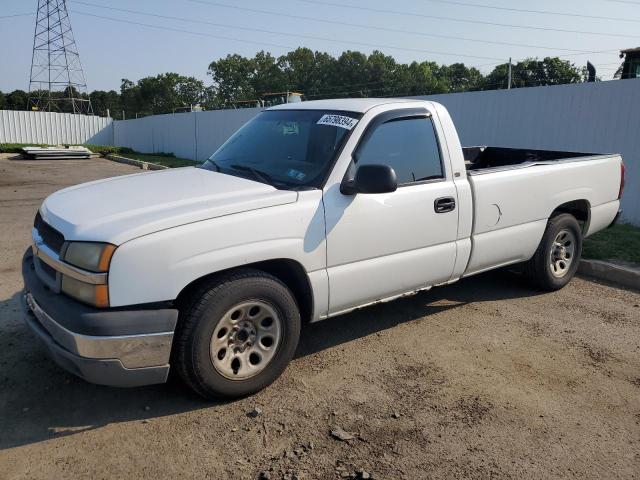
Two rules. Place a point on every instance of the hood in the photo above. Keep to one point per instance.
(119, 209)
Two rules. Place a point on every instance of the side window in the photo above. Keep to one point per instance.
(409, 146)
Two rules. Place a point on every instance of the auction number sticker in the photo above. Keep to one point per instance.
(338, 121)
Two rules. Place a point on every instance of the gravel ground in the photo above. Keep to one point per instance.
(486, 378)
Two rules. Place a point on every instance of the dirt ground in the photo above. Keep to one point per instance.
(486, 378)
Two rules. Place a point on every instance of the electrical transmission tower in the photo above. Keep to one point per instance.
(57, 82)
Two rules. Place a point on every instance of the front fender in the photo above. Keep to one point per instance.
(158, 266)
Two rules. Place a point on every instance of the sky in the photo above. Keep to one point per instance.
(184, 36)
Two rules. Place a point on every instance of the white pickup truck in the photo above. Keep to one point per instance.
(309, 211)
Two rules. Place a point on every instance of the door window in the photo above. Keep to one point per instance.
(409, 146)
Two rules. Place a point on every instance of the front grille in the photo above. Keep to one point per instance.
(50, 236)
(48, 270)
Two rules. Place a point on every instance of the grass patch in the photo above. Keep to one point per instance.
(101, 149)
(166, 159)
(107, 149)
(620, 242)
(17, 147)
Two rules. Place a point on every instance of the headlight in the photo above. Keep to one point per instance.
(96, 295)
(91, 256)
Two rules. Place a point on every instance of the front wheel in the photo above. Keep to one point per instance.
(237, 335)
(557, 257)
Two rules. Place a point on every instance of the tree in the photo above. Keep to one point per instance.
(419, 79)
(460, 78)
(105, 101)
(3, 101)
(232, 78)
(532, 72)
(17, 100)
(350, 77)
(307, 71)
(129, 97)
(267, 75)
(382, 73)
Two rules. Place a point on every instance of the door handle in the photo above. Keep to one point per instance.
(444, 204)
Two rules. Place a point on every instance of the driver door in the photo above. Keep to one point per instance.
(383, 245)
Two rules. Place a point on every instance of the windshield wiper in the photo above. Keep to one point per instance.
(258, 174)
(213, 162)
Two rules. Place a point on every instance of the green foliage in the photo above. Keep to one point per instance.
(532, 72)
(103, 102)
(16, 100)
(107, 149)
(320, 75)
(164, 93)
(620, 242)
(16, 147)
(315, 74)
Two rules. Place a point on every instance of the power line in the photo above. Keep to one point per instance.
(348, 24)
(17, 15)
(179, 30)
(523, 10)
(581, 52)
(453, 19)
(372, 45)
(376, 27)
(335, 22)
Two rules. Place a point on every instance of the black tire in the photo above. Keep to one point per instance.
(539, 268)
(202, 313)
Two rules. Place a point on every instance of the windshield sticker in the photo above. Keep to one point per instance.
(338, 121)
(296, 174)
(290, 128)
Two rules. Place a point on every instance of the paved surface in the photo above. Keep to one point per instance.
(483, 379)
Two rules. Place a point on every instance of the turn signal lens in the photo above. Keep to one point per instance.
(95, 295)
(105, 257)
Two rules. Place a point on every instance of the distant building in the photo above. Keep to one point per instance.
(631, 65)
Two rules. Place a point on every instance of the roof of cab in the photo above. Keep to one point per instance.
(359, 105)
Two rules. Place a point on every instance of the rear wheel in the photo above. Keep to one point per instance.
(237, 335)
(557, 257)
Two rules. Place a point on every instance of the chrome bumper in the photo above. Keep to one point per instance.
(133, 351)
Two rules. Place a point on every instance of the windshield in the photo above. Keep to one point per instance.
(285, 148)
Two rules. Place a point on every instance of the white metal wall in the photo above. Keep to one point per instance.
(600, 117)
(54, 128)
(189, 135)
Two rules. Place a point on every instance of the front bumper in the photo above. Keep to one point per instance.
(116, 347)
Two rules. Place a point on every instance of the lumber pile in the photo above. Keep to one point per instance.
(56, 153)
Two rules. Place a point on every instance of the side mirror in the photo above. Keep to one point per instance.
(371, 179)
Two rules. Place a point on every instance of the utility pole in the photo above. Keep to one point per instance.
(509, 76)
(56, 72)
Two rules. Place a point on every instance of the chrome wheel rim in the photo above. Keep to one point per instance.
(245, 340)
(562, 253)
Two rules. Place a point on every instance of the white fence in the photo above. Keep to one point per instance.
(189, 135)
(53, 128)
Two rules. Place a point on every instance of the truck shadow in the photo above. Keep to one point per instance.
(39, 401)
(490, 286)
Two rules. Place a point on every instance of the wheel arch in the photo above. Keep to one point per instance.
(580, 209)
(288, 271)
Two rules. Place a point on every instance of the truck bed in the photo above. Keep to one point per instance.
(480, 158)
(515, 191)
